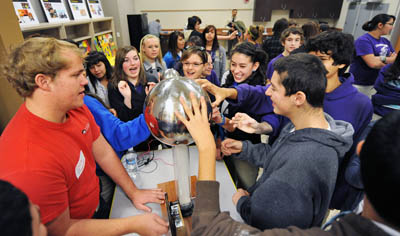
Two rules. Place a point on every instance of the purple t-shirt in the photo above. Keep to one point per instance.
(364, 45)
(270, 69)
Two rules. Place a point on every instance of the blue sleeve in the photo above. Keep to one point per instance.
(364, 47)
(120, 135)
(270, 70)
(213, 78)
(169, 61)
(253, 99)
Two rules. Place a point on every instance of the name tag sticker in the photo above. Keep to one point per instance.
(80, 166)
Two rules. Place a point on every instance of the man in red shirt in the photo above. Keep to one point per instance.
(50, 147)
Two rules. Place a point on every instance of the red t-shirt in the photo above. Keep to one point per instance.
(52, 163)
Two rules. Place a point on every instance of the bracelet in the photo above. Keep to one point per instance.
(223, 120)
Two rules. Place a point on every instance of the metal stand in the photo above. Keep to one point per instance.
(182, 178)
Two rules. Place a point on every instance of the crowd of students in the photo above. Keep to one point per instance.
(294, 86)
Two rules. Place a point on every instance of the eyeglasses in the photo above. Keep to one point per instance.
(390, 23)
(187, 64)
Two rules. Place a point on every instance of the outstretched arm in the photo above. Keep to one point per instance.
(199, 127)
(220, 93)
(112, 166)
(249, 125)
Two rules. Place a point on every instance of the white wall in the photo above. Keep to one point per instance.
(119, 9)
(392, 10)
(173, 14)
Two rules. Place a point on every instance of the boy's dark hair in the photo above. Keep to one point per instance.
(172, 42)
(93, 58)
(194, 41)
(303, 72)
(393, 73)
(380, 18)
(256, 54)
(15, 217)
(310, 29)
(292, 30)
(340, 46)
(380, 167)
(192, 22)
(279, 26)
(215, 45)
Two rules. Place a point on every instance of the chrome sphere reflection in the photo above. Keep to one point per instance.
(161, 104)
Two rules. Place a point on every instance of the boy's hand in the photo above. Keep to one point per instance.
(245, 123)
(240, 193)
(214, 90)
(231, 146)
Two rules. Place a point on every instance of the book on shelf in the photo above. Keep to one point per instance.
(106, 44)
(95, 8)
(78, 9)
(25, 13)
(85, 45)
(55, 10)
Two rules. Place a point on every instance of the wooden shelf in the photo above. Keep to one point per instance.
(82, 38)
(103, 32)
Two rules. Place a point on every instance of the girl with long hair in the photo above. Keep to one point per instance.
(218, 53)
(151, 57)
(128, 88)
(99, 72)
(248, 65)
(176, 44)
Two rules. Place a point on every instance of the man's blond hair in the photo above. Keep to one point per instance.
(36, 56)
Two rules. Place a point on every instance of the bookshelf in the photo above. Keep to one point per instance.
(77, 30)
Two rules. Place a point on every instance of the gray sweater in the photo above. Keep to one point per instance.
(299, 176)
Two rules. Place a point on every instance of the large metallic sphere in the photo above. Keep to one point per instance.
(161, 104)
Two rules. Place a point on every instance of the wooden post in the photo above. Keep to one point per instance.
(10, 34)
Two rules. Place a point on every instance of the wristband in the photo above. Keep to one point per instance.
(223, 120)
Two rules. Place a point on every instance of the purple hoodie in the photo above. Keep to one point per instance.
(344, 103)
(270, 69)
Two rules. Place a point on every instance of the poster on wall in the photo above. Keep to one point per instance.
(54, 10)
(95, 8)
(25, 13)
(78, 9)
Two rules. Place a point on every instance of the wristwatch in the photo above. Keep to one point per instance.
(383, 59)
